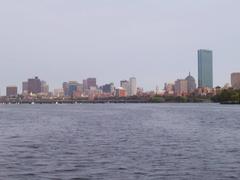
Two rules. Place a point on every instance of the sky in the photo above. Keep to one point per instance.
(155, 41)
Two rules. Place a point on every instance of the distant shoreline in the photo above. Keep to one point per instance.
(109, 100)
(98, 102)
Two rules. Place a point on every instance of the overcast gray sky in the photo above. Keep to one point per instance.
(153, 40)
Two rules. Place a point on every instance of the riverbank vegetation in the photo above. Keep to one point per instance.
(227, 96)
(180, 99)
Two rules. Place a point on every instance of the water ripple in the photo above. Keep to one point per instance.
(129, 141)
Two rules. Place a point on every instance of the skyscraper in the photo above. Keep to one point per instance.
(34, 85)
(133, 86)
(91, 82)
(205, 68)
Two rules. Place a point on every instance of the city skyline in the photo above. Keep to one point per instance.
(205, 76)
(93, 81)
(116, 40)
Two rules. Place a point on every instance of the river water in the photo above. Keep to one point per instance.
(120, 141)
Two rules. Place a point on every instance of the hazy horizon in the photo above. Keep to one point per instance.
(154, 41)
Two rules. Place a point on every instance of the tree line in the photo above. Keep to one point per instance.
(227, 96)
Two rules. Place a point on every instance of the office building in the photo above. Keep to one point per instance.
(125, 85)
(108, 88)
(65, 88)
(34, 85)
(11, 91)
(205, 68)
(44, 87)
(235, 80)
(85, 86)
(133, 86)
(25, 87)
(191, 84)
(91, 82)
(181, 87)
(72, 87)
(121, 92)
(80, 88)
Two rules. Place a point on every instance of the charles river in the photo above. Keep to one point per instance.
(120, 141)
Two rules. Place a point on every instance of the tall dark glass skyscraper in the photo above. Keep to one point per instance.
(205, 68)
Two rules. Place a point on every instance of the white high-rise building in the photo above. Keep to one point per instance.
(133, 86)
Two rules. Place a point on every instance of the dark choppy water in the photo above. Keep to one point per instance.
(127, 141)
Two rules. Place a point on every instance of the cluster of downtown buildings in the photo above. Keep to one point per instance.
(34, 87)
(188, 86)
